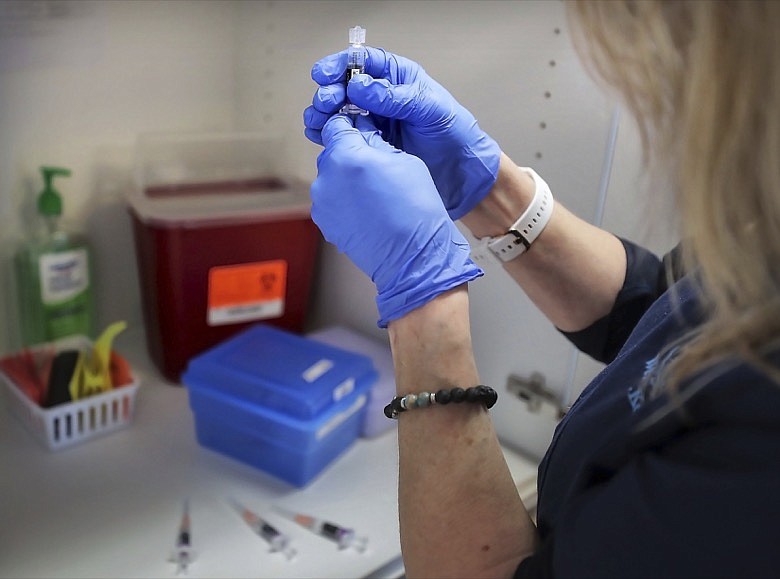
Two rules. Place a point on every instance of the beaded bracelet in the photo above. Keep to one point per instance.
(482, 394)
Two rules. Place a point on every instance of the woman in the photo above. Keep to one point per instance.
(669, 462)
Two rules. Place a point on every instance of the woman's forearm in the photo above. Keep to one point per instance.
(572, 272)
(460, 513)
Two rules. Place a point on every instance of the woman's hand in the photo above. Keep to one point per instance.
(415, 114)
(380, 206)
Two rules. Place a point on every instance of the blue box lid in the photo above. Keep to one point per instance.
(281, 371)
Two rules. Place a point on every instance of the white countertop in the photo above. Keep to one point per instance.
(110, 507)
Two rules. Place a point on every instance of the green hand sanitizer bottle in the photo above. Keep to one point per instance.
(53, 272)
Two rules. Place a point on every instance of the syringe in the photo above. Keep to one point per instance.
(342, 536)
(182, 553)
(356, 64)
(278, 541)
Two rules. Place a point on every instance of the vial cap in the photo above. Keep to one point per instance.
(357, 35)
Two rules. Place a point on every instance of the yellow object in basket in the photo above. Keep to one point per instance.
(93, 369)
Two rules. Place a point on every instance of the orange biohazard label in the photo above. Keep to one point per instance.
(246, 292)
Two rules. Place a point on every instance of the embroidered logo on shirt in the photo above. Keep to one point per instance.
(636, 397)
(639, 393)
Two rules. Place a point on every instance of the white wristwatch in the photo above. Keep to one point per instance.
(523, 232)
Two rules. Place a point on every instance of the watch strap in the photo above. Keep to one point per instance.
(523, 232)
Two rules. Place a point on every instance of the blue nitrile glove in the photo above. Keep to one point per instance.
(415, 114)
(380, 206)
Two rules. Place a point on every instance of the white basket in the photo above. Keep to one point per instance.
(71, 423)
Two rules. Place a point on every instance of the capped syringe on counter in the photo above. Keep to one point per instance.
(278, 541)
(342, 536)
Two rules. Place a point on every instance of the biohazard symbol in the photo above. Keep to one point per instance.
(268, 281)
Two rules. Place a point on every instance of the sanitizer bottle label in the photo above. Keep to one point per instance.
(63, 275)
(65, 293)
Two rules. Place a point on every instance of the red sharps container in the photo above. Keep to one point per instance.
(223, 240)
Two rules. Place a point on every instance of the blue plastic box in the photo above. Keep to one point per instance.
(295, 468)
(230, 419)
(281, 371)
(293, 450)
(293, 433)
(382, 392)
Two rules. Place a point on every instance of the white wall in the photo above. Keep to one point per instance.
(76, 90)
(78, 82)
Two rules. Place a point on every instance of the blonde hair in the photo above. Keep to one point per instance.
(702, 80)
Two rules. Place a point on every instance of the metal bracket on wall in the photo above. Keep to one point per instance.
(533, 391)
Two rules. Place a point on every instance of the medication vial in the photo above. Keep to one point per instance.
(356, 64)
